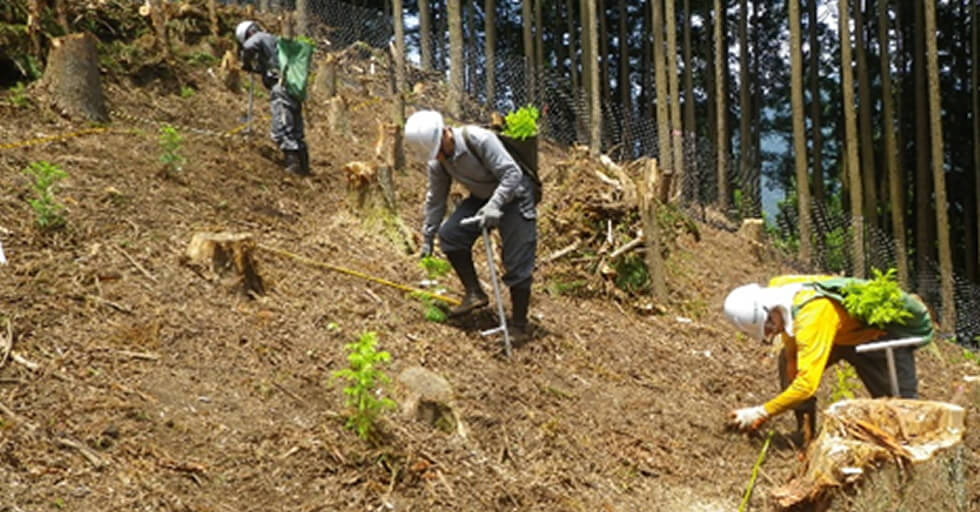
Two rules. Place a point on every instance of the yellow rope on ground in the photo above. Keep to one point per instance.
(755, 472)
(53, 138)
(335, 268)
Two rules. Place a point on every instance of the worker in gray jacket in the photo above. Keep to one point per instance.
(500, 194)
(260, 54)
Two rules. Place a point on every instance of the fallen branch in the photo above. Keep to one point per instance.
(629, 246)
(113, 305)
(6, 344)
(137, 265)
(17, 358)
(89, 455)
(139, 355)
(561, 252)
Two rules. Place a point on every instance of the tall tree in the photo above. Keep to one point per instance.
(721, 107)
(851, 136)
(896, 186)
(690, 127)
(625, 86)
(490, 29)
(397, 17)
(816, 108)
(750, 186)
(527, 21)
(975, 99)
(572, 45)
(925, 221)
(538, 40)
(595, 119)
(673, 85)
(455, 59)
(425, 35)
(664, 152)
(939, 171)
(799, 134)
(867, 131)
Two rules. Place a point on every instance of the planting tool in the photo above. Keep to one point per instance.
(888, 346)
(477, 219)
(251, 92)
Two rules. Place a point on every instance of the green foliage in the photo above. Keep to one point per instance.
(170, 140)
(434, 309)
(631, 273)
(202, 58)
(434, 267)
(18, 96)
(365, 378)
(522, 123)
(47, 209)
(877, 302)
(970, 355)
(845, 383)
(307, 40)
(186, 91)
(559, 287)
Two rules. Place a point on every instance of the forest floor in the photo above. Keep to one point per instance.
(159, 388)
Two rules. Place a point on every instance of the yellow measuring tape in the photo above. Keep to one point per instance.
(53, 138)
(335, 268)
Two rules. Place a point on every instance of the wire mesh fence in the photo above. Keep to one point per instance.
(630, 133)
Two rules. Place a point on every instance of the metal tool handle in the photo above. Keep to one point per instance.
(888, 346)
(469, 221)
(501, 314)
(251, 92)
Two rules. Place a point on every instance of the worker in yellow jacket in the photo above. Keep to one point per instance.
(807, 311)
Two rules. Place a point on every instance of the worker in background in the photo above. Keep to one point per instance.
(500, 193)
(259, 54)
(807, 312)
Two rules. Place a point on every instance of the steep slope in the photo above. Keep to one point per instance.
(189, 395)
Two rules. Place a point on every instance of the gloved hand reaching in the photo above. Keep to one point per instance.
(426, 247)
(491, 215)
(749, 418)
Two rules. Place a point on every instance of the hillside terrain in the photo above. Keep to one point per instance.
(142, 383)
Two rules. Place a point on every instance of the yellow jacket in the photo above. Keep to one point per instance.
(818, 325)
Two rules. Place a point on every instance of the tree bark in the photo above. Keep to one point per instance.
(925, 226)
(867, 152)
(690, 128)
(896, 186)
(72, 77)
(538, 45)
(939, 172)
(816, 110)
(527, 21)
(975, 98)
(747, 180)
(490, 29)
(595, 119)
(397, 10)
(721, 108)
(572, 47)
(673, 86)
(303, 17)
(425, 35)
(651, 231)
(851, 136)
(665, 152)
(625, 85)
(455, 105)
(799, 132)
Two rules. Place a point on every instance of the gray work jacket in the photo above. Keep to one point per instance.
(260, 54)
(492, 173)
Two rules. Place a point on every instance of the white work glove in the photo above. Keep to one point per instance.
(749, 418)
(491, 215)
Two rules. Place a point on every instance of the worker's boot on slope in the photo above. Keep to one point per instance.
(462, 262)
(293, 162)
(518, 327)
(304, 161)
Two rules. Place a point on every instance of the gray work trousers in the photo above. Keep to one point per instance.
(519, 237)
(287, 120)
(872, 369)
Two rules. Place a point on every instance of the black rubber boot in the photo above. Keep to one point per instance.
(462, 262)
(520, 298)
(292, 161)
(304, 161)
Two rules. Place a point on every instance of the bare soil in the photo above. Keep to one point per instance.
(187, 394)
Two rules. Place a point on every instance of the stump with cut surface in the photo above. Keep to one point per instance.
(72, 77)
(228, 256)
(883, 455)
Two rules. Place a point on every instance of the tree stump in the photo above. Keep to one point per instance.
(229, 256)
(754, 230)
(326, 77)
(72, 77)
(429, 398)
(337, 123)
(230, 73)
(883, 455)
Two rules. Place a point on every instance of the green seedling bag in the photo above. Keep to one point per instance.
(295, 57)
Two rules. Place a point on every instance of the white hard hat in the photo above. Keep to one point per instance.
(748, 307)
(241, 31)
(423, 134)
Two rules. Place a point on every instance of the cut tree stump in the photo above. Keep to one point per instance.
(227, 254)
(72, 77)
(883, 455)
